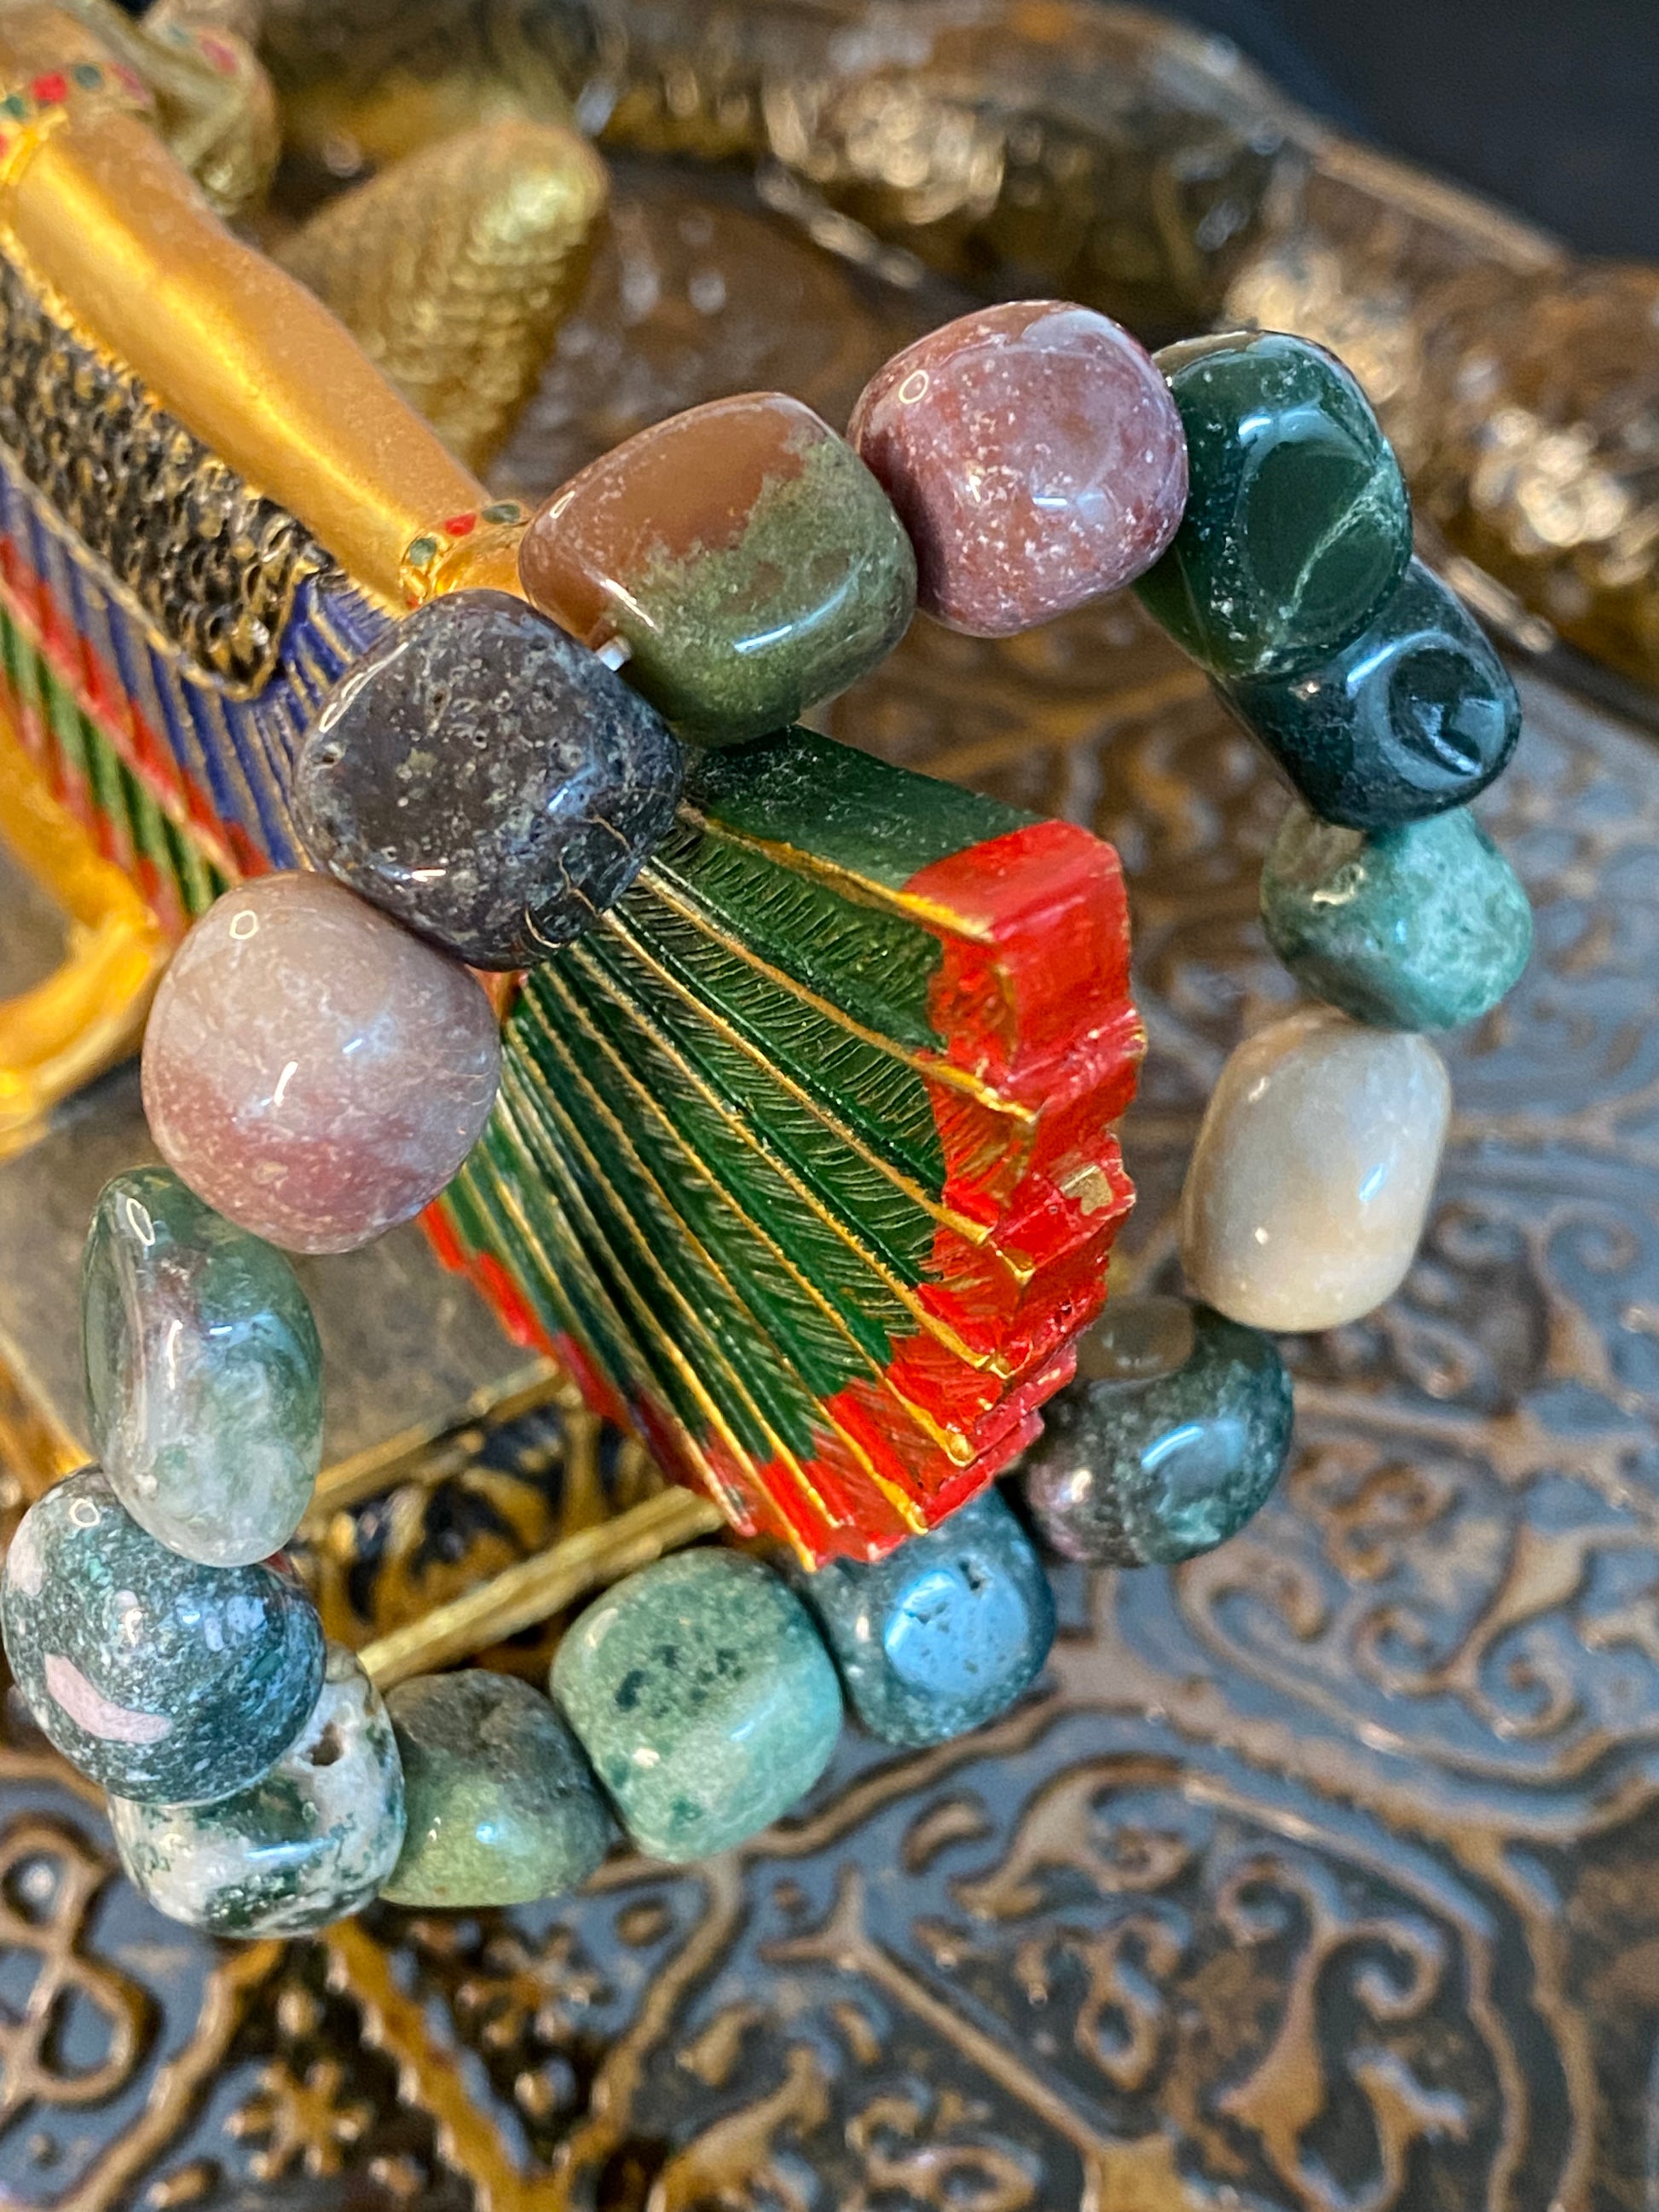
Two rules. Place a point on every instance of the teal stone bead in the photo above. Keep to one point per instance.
(1413, 717)
(310, 1842)
(943, 1633)
(1297, 524)
(501, 1808)
(166, 1681)
(1424, 926)
(205, 1376)
(1176, 1430)
(705, 1698)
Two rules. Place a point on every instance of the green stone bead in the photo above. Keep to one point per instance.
(310, 1842)
(1413, 717)
(1422, 928)
(1176, 1430)
(204, 1372)
(501, 1806)
(165, 1681)
(705, 1697)
(1297, 524)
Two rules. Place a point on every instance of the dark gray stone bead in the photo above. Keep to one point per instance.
(487, 780)
(1176, 1430)
(945, 1632)
(169, 1682)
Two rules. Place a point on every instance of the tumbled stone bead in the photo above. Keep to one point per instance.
(705, 1698)
(742, 554)
(1311, 1178)
(1297, 525)
(501, 1806)
(311, 1070)
(1173, 1432)
(204, 1375)
(165, 1681)
(1415, 715)
(1035, 456)
(311, 1841)
(485, 779)
(943, 1632)
(1421, 927)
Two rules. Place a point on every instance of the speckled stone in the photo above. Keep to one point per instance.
(1173, 1434)
(1315, 1166)
(945, 1631)
(1421, 927)
(501, 1806)
(485, 779)
(310, 1842)
(1416, 716)
(311, 1070)
(205, 1376)
(1298, 526)
(165, 1681)
(1035, 456)
(741, 553)
(705, 1698)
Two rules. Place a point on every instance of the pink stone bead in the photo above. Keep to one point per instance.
(313, 1070)
(1036, 457)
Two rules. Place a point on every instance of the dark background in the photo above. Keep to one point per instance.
(1550, 105)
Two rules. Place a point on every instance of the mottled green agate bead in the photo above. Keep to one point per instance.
(1414, 716)
(945, 1631)
(166, 1681)
(1297, 524)
(204, 1372)
(1424, 926)
(310, 1842)
(705, 1698)
(740, 558)
(1176, 1430)
(501, 1808)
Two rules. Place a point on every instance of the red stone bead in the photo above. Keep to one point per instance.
(1036, 457)
(313, 1070)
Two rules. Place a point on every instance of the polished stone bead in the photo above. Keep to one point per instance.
(1311, 1178)
(166, 1681)
(1416, 716)
(1297, 525)
(311, 1070)
(1424, 926)
(1035, 456)
(943, 1633)
(741, 554)
(705, 1697)
(204, 1375)
(501, 1806)
(311, 1841)
(485, 779)
(1176, 1428)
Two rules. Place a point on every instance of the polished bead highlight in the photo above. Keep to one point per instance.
(945, 1632)
(740, 555)
(310, 1842)
(204, 1372)
(1035, 456)
(1424, 926)
(501, 1806)
(486, 780)
(705, 1698)
(1172, 1436)
(166, 1681)
(311, 1070)
(1416, 716)
(1311, 1178)
(1298, 526)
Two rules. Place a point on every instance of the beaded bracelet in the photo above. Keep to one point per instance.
(1017, 462)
